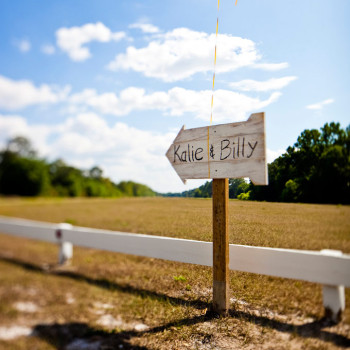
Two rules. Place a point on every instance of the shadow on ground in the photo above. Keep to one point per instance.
(57, 335)
(74, 336)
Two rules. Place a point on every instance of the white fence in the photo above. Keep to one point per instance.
(327, 267)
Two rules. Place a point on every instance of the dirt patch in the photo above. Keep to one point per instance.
(27, 306)
(13, 332)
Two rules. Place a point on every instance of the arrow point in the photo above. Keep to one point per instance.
(175, 140)
(167, 154)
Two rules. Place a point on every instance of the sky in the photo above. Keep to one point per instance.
(110, 83)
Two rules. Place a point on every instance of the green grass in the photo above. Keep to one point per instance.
(171, 298)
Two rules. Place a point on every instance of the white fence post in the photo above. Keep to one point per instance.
(66, 248)
(333, 296)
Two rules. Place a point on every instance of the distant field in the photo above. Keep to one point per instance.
(169, 298)
(300, 226)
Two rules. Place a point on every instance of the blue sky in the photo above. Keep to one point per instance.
(110, 83)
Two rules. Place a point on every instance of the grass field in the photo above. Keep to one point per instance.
(115, 301)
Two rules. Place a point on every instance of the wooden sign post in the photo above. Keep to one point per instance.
(220, 247)
(221, 152)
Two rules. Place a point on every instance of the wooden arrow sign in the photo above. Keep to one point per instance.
(233, 150)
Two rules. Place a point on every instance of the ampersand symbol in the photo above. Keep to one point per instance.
(212, 151)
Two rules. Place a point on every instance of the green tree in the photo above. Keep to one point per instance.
(21, 146)
(20, 173)
(244, 196)
(290, 193)
(307, 170)
(66, 180)
(237, 186)
(133, 189)
(96, 172)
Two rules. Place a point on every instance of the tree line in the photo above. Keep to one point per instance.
(23, 173)
(237, 189)
(316, 169)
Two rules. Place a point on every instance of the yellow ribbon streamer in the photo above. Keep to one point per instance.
(208, 156)
(216, 38)
(212, 92)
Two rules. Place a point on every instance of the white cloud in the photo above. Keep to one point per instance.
(128, 100)
(182, 52)
(272, 155)
(320, 105)
(123, 152)
(145, 27)
(71, 40)
(48, 49)
(15, 125)
(22, 93)
(231, 106)
(228, 105)
(267, 85)
(271, 66)
(23, 45)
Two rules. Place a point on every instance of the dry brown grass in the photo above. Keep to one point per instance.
(266, 312)
(282, 225)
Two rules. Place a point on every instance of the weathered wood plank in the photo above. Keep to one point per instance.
(231, 150)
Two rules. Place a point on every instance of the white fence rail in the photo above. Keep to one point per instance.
(328, 267)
